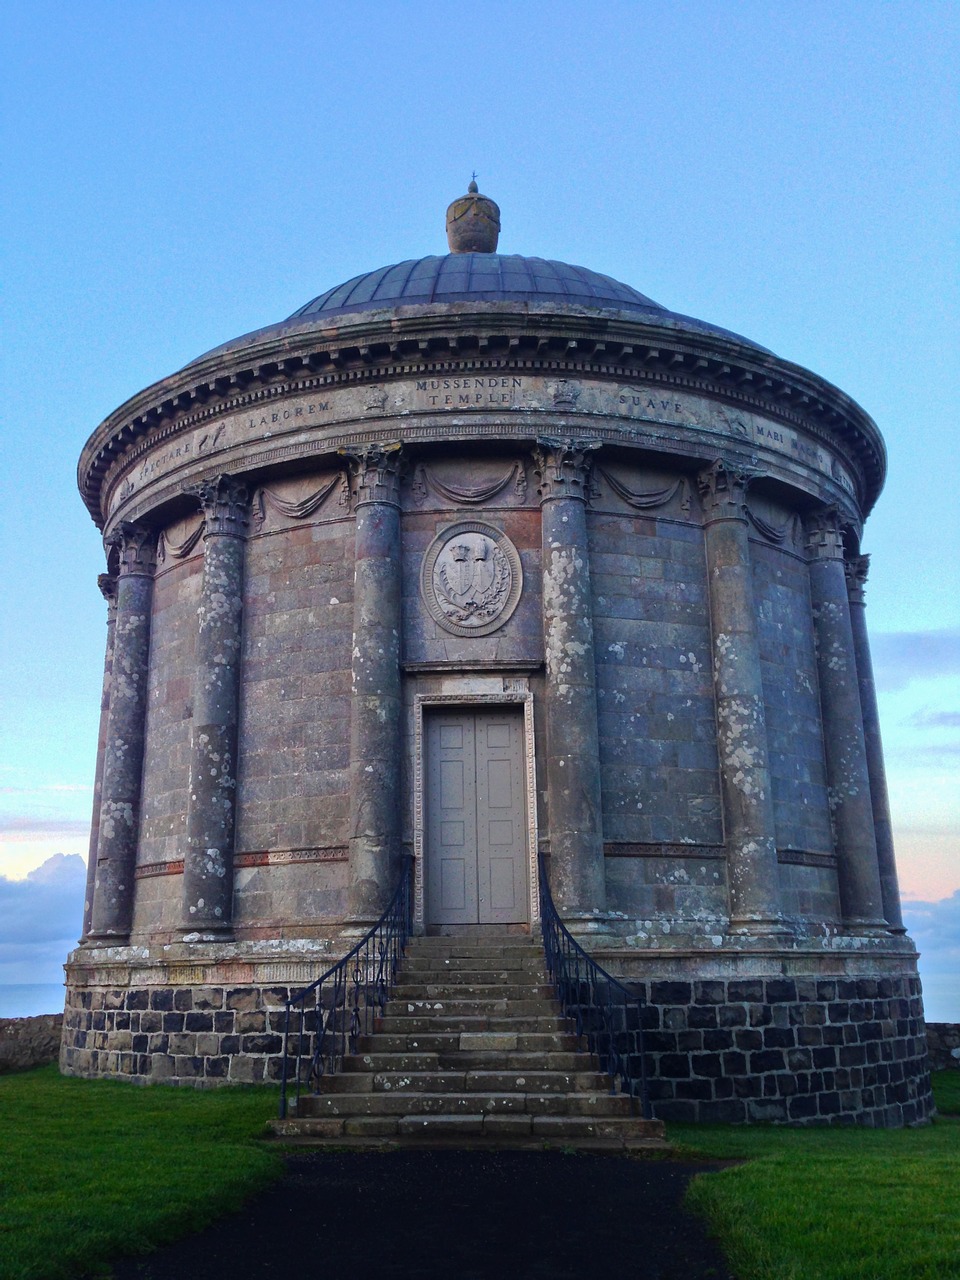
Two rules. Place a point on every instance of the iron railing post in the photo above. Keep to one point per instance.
(375, 962)
(592, 997)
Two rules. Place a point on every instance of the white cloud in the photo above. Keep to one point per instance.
(901, 657)
(935, 928)
(40, 919)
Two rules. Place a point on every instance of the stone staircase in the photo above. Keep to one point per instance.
(471, 1050)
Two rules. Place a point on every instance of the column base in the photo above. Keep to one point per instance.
(205, 933)
(761, 927)
(864, 928)
(106, 938)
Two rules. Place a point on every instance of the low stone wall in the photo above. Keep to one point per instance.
(29, 1042)
(943, 1045)
(181, 1035)
(791, 1050)
(795, 1050)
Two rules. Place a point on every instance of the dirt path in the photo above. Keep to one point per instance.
(462, 1215)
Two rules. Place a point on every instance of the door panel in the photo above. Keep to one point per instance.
(476, 835)
(501, 818)
(451, 818)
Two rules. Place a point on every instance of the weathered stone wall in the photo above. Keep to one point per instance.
(943, 1045)
(657, 722)
(166, 764)
(289, 900)
(654, 682)
(789, 668)
(29, 1042)
(293, 788)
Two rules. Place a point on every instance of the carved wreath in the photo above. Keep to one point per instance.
(471, 578)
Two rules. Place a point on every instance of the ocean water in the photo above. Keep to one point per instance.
(26, 999)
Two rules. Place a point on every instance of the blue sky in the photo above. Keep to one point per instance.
(180, 173)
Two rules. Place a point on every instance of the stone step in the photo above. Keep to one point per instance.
(406, 1024)
(623, 1132)
(496, 970)
(454, 1081)
(464, 1060)
(487, 991)
(475, 1041)
(598, 1105)
(483, 951)
(455, 1008)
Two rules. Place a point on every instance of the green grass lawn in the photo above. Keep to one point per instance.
(835, 1204)
(91, 1169)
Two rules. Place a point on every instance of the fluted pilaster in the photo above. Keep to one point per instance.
(211, 804)
(121, 775)
(574, 799)
(374, 845)
(848, 779)
(748, 817)
(856, 570)
(107, 582)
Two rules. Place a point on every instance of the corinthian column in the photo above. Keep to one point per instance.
(856, 570)
(121, 776)
(107, 583)
(211, 803)
(848, 780)
(574, 800)
(753, 877)
(375, 706)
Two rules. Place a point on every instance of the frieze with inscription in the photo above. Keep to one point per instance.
(294, 424)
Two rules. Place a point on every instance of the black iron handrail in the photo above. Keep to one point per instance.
(605, 1011)
(344, 1001)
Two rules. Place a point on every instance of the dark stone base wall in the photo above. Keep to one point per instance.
(835, 1051)
(178, 1035)
(804, 1051)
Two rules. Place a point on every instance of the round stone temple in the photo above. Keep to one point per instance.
(473, 223)
(482, 557)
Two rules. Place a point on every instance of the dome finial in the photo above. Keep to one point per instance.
(473, 222)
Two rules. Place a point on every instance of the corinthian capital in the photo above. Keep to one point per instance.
(856, 569)
(375, 473)
(136, 545)
(824, 534)
(225, 504)
(723, 490)
(563, 468)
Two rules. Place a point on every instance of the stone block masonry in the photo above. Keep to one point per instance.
(943, 1045)
(29, 1042)
(199, 1036)
(811, 1050)
(803, 1051)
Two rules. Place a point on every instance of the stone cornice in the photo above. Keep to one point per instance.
(445, 339)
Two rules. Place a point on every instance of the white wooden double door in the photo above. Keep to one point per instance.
(475, 820)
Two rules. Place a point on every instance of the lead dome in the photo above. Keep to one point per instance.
(480, 558)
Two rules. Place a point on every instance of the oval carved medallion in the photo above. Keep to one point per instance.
(471, 578)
